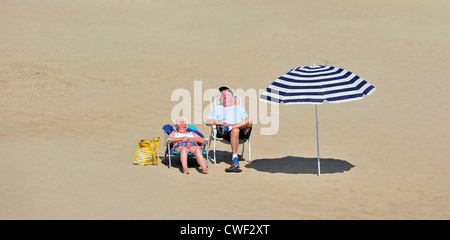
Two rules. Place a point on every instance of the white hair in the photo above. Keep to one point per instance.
(181, 118)
(178, 120)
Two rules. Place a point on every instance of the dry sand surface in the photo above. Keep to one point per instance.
(81, 82)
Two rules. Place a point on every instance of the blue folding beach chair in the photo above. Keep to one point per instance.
(169, 152)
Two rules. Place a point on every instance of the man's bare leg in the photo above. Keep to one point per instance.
(243, 126)
(234, 140)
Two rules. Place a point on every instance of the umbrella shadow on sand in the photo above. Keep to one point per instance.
(300, 165)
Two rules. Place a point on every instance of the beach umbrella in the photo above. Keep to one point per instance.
(316, 84)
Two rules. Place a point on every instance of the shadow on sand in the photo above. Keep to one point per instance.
(288, 164)
(300, 165)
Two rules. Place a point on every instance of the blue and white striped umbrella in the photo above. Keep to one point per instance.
(315, 84)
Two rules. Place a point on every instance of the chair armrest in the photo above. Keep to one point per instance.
(205, 142)
(213, 131)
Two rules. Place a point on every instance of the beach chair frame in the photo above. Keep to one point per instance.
(214, 100)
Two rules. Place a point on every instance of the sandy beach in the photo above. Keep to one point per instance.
(81, 82)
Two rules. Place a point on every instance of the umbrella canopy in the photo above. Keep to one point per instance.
(315, 84)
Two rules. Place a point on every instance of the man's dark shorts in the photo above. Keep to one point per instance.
(242, 136)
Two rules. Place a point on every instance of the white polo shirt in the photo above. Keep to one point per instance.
(231, 114)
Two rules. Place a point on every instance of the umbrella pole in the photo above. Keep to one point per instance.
(317, 134)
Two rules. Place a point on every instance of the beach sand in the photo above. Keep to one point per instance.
(81, 82)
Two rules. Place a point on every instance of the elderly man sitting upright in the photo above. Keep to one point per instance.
(232, 122)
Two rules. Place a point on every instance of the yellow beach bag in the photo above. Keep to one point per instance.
(146, 152)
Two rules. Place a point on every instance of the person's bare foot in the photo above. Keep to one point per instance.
(205, 171)
(185, 171)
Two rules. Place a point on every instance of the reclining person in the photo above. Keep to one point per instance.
(185, 142)
(232, 123)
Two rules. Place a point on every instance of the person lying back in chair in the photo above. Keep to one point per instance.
(185, 142)
(232, 123)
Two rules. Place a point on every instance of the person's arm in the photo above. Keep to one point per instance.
(170, 137)
(210, 122)
(197, 138)
(243, 124)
